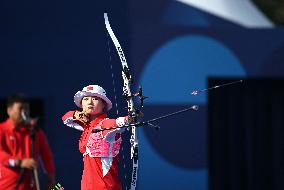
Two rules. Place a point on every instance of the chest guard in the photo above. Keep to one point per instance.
(98, 146)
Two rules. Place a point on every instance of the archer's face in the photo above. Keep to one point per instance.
(15, 112)
(92, 105)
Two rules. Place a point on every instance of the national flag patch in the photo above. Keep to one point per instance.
(89, 88)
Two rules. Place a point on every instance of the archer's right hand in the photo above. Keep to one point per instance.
(81, 116)
(28, 163)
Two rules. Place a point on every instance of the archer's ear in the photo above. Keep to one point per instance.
(9, 110)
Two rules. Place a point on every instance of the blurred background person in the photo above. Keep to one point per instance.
(21, 146)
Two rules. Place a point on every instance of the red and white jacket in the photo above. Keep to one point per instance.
(105, 144)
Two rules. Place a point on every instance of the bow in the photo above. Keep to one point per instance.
(132, 111)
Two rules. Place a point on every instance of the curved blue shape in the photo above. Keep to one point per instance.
(183, 65)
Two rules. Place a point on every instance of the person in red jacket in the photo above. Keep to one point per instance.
(100, 150)
(16, 160)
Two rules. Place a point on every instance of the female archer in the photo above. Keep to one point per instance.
(100, 150)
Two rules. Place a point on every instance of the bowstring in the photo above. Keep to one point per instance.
(112, 76)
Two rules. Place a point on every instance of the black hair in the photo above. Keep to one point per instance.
(19, 97)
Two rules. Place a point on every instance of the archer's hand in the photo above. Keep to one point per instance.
(81, 116)
(138, 115)
(28, 163)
